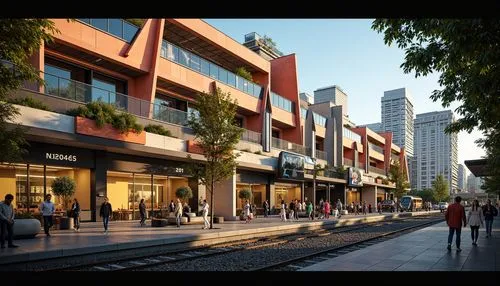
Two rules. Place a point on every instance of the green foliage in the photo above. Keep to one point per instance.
(426, 194)
(465, 52)
(158, 129)
(269, 43)
(135, 21)
(19, 39)
(105, 113)
(24, 215)
(440, 189)
(217, 137)
(385, 181)
(184, 193)
(30, 102)
(64, 187)
(245, 194)
(241, 71)
(396, 175)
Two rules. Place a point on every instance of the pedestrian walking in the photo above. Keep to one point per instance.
(75, 212)
(489, 211)
(142, 212)
(291, 213)
(48, 209)
(205, 214)
(327, 209)
(178, 212)
(106, 212)
(266, 208)
(379, 207)
(475, 219)
(309, 210)
(7, 221)
(339, 208)
(455, 215)
(298, 208)
(365, 208)
(283, 211)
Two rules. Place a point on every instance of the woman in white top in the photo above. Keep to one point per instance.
(247, 211)
(475, 219)
(283, 211)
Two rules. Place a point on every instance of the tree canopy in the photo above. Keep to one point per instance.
(19, 39)
(466, 53)
(440, 189)
(396, 175)
(217, 135)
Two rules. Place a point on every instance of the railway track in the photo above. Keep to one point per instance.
(303, 261)
(205, 252)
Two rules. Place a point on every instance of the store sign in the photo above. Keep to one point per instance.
(355, 178)
(290, 166)
(60, 157)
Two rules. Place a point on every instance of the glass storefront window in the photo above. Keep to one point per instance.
(286, 192)
(258, 194)
(14, 180)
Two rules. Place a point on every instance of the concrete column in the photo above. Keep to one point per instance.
(225, 198)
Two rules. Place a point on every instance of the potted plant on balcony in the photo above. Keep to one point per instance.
(26, 225)
(379, 179)
(102, 120)
(64, 188)
(244, 195)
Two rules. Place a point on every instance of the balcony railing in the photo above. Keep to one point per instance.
(348, 162)
(376, 148)
(251, 136)
(178, 55)
(321, 155)
(116, 27)
(289, 146)
(168, 114)
(85, 93)
(351, 135)
(376, 170)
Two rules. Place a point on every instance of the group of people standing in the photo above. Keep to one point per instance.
(478, 216)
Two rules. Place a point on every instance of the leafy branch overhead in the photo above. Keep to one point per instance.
(19, 39)
(466, 54)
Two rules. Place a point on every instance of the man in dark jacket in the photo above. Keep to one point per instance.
(105, 213)
(455, 215)
(489, 211)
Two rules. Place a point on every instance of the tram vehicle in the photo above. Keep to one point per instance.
(411, 203)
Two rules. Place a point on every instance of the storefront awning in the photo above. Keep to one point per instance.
(478, 167)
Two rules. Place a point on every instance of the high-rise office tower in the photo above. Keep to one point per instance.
(435, 151)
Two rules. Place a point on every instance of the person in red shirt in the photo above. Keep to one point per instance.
(455, 215)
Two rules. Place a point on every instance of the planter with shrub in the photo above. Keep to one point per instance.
(64, 188)
(103, 120)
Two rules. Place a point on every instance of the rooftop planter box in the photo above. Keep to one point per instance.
(88, 127)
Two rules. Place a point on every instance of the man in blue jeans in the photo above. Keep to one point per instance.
(455, 215)
(489, 211)
(105, 213)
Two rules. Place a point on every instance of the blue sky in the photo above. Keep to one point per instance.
(348, 53)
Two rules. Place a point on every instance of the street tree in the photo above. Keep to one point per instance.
(396, 175)
(217, 135)
(19, 39)
(440, 189)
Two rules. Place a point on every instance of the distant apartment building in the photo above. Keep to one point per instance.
(397, 117)
(474, 184)
(435, 151)
(309, 99)
(462, 178)
(333, 94)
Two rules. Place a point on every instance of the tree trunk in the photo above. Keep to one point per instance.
(212, 208)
